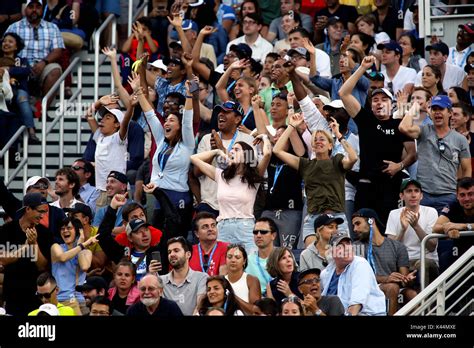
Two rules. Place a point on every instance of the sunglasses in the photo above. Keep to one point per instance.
(46, 295)
(77, 168)
(39, 186)
(310, 281)
(291, 299)
(255, 232)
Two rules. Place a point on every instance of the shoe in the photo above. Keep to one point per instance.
(33, 139)
(67, 92)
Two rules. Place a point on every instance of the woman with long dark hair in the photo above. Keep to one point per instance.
(409, 58)
(219, 294)
(237, 187)
(70, 262)
(125, 292)
(431, 80)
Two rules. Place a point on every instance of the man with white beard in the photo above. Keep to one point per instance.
(151, 303)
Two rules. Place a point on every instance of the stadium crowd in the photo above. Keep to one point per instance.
(257, 158)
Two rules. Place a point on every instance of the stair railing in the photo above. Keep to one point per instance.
(60, 114)
(5, 153)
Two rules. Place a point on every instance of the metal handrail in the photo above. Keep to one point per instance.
(58, 84)
(110, 18)
(132, 18)
(24, 162)
(423, 252)
(437, 287)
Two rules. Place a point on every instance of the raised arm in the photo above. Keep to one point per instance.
(221, 86)
(261, 119)
(187, 122)
(111, 54)
(133, 101)
(292, 160)
(267, 153)
(407, 125)
(200, 160)
(351, 158)
(199, 67)
(177, 22)
(351, 104)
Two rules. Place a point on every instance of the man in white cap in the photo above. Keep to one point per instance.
(384, 150)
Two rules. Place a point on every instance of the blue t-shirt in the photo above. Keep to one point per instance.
(332, 288)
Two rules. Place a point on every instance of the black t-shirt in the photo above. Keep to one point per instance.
(347, 14)
(378, 141)
(166, 308)
(119, 304)
(390, 24)
(455, 213)
(19, 285)
(287, 191)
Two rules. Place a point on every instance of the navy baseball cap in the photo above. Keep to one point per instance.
(230, 106)
(242, 50)
(326, 219)
(80, 208)
(33, 200)
(440, 47)
(391, 45)
(134, 225)
(442, 101)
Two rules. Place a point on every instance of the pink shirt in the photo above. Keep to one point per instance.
(236, 198)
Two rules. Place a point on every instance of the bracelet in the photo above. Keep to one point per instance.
(292, 126)
(189, 96)
(340, 139)
(81, 246)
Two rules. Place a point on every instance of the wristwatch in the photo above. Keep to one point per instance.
(469, 227)
(318, 312)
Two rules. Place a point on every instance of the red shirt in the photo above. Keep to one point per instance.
(146, 48)
(218, 259)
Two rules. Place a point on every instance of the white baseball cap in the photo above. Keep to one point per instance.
(324, 99)
(159, 64)
(33, 180)
(335, 104)
(116, 112)
(30, 1)
(49, 308)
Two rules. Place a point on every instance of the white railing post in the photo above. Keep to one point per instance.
(25, 156)
(44, 110)
(79, 109)
(61, 124)
(440, 299)
(130, 17)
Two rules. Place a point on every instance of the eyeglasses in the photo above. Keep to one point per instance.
(147, 288)
(169, 102)
(255, 232)
(46, 295)
(249, 22)
(39, 186)
(77, 168)
(291, 299)
(310, 281)
(36, 34)
(441, 145)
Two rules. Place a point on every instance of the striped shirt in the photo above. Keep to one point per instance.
(40, 41)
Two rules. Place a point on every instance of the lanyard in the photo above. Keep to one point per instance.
(162, 157)
(370, 256)
(45, 10)
(262, 272)
(231, 86)
(232, 141)
(201, 260)
(463, 58)
(247, 115)
(277, 174)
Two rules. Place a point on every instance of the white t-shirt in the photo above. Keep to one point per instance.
(404, 76)
(110, 154)
(428, 217)
(459, 58)
(453, 76)
(260, 48)
(323, 63)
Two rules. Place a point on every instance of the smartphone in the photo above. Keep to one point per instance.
(193, 86)
(156, 255)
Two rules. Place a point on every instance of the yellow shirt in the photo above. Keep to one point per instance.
(96, 247)
(362, 6)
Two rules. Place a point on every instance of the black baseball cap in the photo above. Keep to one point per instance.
(370, 214)
(91, 283)
(301, 275)
(326, 219)
(80, 208)
(33, 200)
(242, 50)
(119, 176)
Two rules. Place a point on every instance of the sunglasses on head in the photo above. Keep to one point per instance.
(46, 295)
(441, 145)
(40, 186)
(255, 232)
(77, 168)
